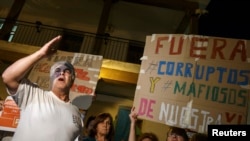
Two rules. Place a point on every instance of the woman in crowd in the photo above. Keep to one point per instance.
(89, 124)
(87, 127)
(103, 129)
(177, 134)
(148, 136)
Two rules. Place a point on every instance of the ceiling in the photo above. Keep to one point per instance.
(225, 19)
(131, 19)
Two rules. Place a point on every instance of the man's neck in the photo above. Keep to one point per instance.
(61, 95)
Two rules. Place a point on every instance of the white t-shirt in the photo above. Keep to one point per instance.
(44, 117)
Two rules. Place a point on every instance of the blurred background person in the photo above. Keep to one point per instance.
(199, 137)
(103, 128)
(177, 134)
(88, 126)
(148, 136)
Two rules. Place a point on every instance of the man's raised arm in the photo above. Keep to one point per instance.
(17, 71)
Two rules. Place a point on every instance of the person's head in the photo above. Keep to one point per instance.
(62, 71)
(103, 126)
(148, 137)
(199, 137)
(90, 123)
(177, 134)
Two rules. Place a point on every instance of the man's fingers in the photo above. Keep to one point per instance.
(54, 40)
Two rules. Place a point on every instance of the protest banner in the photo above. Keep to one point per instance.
(192, 81)
(9, 114)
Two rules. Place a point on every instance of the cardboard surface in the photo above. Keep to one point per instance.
(10, 115)
(192, 81)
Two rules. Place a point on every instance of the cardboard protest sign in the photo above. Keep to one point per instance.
(192, 81)
(87, 69)
(9, 115)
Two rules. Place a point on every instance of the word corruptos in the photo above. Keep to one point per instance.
(204, 72)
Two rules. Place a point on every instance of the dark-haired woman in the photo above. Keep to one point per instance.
(103, 129)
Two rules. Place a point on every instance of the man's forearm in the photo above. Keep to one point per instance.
(16, 71)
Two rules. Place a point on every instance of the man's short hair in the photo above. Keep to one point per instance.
(66, 63)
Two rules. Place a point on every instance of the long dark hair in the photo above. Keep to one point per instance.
(179, 131)
(89, 120)
(148, 135)
(99, 119)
